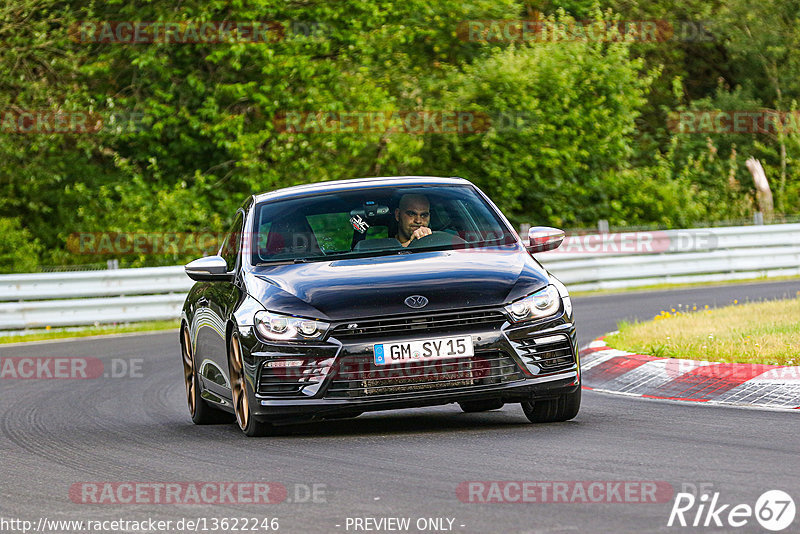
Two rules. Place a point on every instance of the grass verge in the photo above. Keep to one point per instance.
(62, 333)
(759, 332)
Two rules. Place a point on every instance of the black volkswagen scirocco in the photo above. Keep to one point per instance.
(332, 299)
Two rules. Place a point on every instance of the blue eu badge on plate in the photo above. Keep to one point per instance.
(379, 359)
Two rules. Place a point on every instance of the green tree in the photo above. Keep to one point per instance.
(564, 118)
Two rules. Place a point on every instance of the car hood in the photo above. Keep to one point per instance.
(369, 287)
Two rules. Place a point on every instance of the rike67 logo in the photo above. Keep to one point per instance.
(774, 510)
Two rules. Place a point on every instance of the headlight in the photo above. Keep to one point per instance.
(540, 304)
(287, 328)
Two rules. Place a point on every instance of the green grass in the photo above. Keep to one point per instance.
(62, 333)
(759, 332)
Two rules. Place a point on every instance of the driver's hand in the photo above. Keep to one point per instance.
(419, 233)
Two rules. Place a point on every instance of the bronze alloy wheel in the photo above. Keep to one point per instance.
(188, 372)
(241, 402)
(241, 406)
(199, 410)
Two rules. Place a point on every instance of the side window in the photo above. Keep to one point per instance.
(230, 246)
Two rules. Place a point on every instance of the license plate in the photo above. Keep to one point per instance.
(423, 350)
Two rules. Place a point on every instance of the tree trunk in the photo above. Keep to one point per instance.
(763, 192)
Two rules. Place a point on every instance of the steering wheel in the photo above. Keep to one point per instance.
(435, 239)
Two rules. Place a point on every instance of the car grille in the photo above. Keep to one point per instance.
(447, 321)
(549, 353)
(358, 376)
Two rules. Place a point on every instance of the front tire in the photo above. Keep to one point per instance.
(241, 400)
(562, 408)
(199, 410)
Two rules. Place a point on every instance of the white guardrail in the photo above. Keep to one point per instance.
(88, 297)
(635, 259)
(597, 261)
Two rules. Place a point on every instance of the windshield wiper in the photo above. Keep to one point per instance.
(284, 262)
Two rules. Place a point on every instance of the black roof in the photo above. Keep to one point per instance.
(357, 183)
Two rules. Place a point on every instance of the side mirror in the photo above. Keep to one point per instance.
(543, 238)
(209, 269)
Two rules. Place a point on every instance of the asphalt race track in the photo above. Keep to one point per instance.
(58, 434)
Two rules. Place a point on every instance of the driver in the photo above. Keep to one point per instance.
(413, 216)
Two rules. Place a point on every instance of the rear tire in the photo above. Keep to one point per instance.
(199, 410)
(562, 408)
(248, 424)
(481, 405)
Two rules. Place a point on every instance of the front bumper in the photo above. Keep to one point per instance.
(338, 377)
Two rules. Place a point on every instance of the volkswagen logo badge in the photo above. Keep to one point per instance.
(416, 301)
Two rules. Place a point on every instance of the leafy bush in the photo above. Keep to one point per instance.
(19, 251)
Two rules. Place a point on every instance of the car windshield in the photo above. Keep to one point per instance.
(375, 221)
